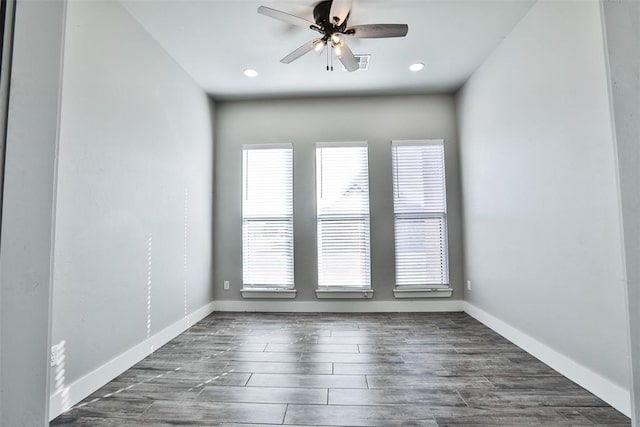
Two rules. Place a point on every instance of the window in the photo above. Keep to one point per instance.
(420, 214)
(342, 193)
(267, 216)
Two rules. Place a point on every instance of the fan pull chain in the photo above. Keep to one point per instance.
(330, 47)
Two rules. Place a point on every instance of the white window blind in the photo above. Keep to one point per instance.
(420, 213)
(342, 192)
(267, 216)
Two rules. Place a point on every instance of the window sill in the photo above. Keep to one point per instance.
(268, 293)
(423, 293)
(344, 293)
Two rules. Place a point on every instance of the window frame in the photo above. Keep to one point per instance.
(422, 289)
(344, 291)
(258, 290)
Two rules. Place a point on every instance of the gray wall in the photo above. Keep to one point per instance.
(542, 233)
(622, 30)
(27, 220)
(136, 135)
(304, 122)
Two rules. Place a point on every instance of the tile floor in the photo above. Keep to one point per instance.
(407, 369)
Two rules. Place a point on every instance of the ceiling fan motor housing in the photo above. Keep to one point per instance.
(321, 15)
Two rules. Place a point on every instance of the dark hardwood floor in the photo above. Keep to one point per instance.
(250, 369)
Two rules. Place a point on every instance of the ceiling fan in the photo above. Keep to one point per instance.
(331, 18)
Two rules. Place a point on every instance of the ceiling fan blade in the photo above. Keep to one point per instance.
(302, 50)
(346, 57)
(284, 16)
(377, 31)
(340, 10)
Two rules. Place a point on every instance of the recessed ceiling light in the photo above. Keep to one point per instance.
(250, 72)
(418, 66)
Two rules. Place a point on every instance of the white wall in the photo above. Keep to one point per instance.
(622, 30)
(136, 160)
(304, 122)
(27, 217)
(542, 234)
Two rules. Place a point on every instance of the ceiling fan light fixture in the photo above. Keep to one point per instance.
(319, 46)
(250, 72)
(335, 39)
(418, 66)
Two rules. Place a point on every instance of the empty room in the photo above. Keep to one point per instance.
(320, 213)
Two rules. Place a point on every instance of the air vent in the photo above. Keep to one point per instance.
(363, 62)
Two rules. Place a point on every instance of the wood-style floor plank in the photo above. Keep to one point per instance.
(280, 367)
(313, 381)
(307, 396)
(387, 369)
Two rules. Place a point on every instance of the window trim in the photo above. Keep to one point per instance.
(268, 293)
(423, 292)
(344, 293)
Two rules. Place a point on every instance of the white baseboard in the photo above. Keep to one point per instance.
(97, 378)
(351, 306)
(613, 394)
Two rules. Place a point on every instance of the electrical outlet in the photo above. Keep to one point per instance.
(468, 285)
(226, 285)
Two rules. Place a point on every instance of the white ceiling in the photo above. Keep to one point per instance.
(215, 40)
